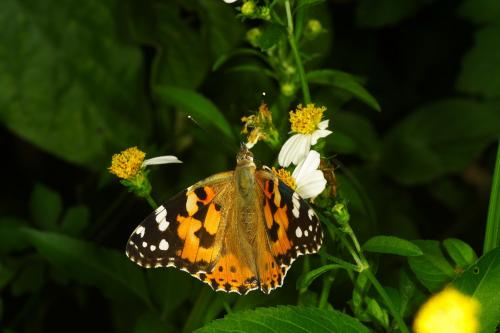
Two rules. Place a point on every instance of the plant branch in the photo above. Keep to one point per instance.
(298, 61)
(385, 297)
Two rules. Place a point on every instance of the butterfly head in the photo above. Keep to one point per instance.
(244, 157)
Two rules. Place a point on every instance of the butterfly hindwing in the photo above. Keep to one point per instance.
(292, 226)
(184, 232)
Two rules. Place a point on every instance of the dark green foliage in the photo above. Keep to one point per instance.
(80, 81)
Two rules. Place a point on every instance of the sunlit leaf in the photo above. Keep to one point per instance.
(286, 319)
(482, 280)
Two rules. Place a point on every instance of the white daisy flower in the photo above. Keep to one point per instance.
(307, 180)
(306, 123)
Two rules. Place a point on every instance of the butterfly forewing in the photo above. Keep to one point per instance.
(186, 231)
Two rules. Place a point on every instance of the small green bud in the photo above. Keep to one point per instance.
(313, 28)
(253, 36)
(289, 69)
(248, 8)
(288, 89)
(265, 13)
(341, 214)
(138, 184)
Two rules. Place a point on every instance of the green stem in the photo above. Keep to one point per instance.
(385, 297)
(492, 234)
(325, 292)
(333, 232)
(296, 55)
(151, 201)
(346, 265)
(195, 318)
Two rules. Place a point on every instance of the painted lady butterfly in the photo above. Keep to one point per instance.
(236, 231)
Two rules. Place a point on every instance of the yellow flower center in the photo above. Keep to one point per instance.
(127, 163)
(305, 119)
(448, 311)
(286, 177)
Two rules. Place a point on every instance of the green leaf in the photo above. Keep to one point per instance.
(75, 220)
(31, 277)
(431, 269)
(380, 13)
(45, 207)
(271, 35)
(482, 280)
(344, 81)
(87, 110)
(440, 138)
(285, 319)
(152, 323)
(234, 53)
(11, 239)
(375, 311)
(6, 275)
(480, 11)
(392, 245)
(108, 270)
(482, 62)
(492, 232)
(462, 254)
(195, 105)
(310, 276)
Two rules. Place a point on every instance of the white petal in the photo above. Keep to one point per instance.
(321, 133)
(230, 1)
(306, 167)
(294, 150)
(303, 147)
(324, 124)
(315, 184)
(166, 159)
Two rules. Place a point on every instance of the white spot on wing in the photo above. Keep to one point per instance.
(152, 248)
(306, 233)
(310, 213)
(161, 216)
(163, 245)
(163, 225)
(159, 209)
(140, 230)
(298, 232)
(144, 244)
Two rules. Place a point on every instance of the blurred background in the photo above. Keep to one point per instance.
(82, 81)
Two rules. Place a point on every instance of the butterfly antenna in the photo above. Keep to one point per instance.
(216, 138)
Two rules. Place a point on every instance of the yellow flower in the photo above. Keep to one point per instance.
(286, 177)
(127, 163)
(448, 311)
(309, 128)
(259, 127)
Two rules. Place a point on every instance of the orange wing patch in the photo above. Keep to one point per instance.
(198, 229)
(270, 274)
(230, 275)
